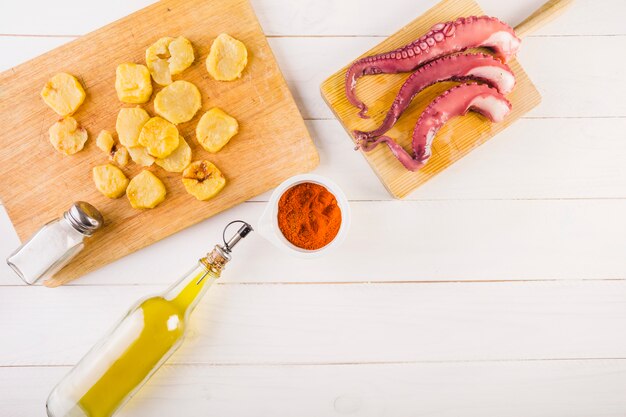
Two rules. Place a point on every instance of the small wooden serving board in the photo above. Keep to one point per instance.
(455, 140)
(37, 184)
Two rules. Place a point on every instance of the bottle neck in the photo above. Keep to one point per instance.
(187, 292)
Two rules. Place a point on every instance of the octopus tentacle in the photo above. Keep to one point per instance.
(480, 67)
(456, 101)
(442, 39)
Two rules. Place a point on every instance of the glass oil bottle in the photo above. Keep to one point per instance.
(121, 363)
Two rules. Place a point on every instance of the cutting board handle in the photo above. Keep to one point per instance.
(548, 11)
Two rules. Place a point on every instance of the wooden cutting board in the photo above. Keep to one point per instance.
(455, 140)
(37, 184)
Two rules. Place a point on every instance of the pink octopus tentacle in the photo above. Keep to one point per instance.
(456, 101)
(442, 39)
(384, 64)
(368, 146)
(478, 67)
(409, 162)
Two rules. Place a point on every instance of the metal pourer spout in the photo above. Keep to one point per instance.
(241, 233)
(220, 255)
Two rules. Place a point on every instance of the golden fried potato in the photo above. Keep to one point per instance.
(159, 137)
(178, 160)
(133, 83)
(105, 141)
(227, 58)
(140, 156)
(63, 94)
(203, 180)
(129, 122)
(117, 153)
(110, 180)
(215, 129)
(145, 190)
(67, 136)
(178, 102)
(167, 57)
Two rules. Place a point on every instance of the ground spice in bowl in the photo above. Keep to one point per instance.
(309, 216)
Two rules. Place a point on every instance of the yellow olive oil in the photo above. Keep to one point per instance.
(116, 367)
(121, 363)
(162, 332)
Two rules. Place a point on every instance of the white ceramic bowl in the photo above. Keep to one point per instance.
(268, 223)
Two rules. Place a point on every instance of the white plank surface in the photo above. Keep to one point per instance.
(515, 389)
(309, 17)
(496, 290)
(309, 324)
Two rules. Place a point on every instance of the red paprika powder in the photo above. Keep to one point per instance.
(308, 216)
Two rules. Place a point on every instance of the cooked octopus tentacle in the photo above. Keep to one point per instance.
(442, 39)
(456, 101)
(480, 67)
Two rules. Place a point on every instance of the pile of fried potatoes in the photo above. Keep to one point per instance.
(153, 140)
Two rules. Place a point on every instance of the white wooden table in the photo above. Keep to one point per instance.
(497, 289)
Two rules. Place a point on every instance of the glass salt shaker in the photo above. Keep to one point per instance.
(56, 243)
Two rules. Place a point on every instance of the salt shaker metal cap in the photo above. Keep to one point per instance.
(56, 243)
(84, 217)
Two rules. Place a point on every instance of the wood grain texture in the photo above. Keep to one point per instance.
(37, 184)
(455, 140)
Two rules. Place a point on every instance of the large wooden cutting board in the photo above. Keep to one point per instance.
(37, 184)
(455, 140)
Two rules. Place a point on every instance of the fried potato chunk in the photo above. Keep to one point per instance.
(133, 83)
(117, 153)
(140, 156)
(178, 102)
(167, 57)
(110, 180)
(215, 129)
(227, 58)
(63, 94)
(178, 160)
(105, 141)
(203, 180)
(67, 136)
(159, 137)
(145, 190)
(130, 121)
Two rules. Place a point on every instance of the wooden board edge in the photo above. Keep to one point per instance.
(535, 99)
(404, 193)
(311, 142)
